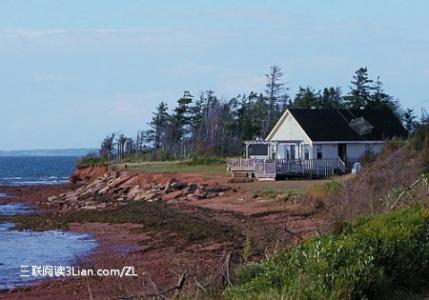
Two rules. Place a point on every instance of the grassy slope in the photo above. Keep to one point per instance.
(176, 167)
(384, 257)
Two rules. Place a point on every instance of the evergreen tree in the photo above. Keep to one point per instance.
(409, 120)
(213, 126)
(306, 98)
(158, 125)
(379, 98)
(180, 121)
(198, 122)
(331, 98)
(360, 91)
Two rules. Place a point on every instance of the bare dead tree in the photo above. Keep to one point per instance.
(120, 143)
(274, 88)
(140, 140)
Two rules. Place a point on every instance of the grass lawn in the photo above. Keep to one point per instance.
(176, 167)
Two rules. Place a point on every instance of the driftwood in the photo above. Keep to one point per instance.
(200, 286)
(91, 297)
(161, 294)
(223, 274)
(177, 287)
(407, 190)
(225, 269)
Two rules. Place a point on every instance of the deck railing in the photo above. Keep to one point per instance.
(241, 164)
(288, 167)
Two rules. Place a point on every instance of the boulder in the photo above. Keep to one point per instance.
(89, 207)
(133, 192)
(191, 187)
(52, 198)
(167, 188)
(172, 195)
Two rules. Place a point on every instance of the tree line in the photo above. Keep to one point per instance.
(207, 125)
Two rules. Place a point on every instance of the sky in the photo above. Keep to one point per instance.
(73, 71)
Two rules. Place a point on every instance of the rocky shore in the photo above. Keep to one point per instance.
(188, 224)
(116, 188)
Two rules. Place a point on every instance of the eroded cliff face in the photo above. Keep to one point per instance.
(89, 173)
(103, 187)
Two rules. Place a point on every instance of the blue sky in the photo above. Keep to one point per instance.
(73, 71)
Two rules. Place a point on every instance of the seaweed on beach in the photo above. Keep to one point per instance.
(154, 216)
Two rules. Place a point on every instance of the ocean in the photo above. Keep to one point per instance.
(21, 251)
(35, 170)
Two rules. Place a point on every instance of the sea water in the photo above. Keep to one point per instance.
(20, 249)
(29, 248)
(36, 170)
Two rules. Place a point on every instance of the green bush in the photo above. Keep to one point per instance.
(91, 160)
(325, 190)
(376, 258)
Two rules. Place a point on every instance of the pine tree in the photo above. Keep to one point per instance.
(409, 120)
(360, 91)
(307, 98)
(379, 98)
(158, 125)
(180, 121)
(331, 98)
(197, 123)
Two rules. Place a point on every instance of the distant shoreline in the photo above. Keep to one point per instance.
(77, 152)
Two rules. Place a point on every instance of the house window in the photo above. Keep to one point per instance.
(306, 152)
(258, 149)
(319, 151)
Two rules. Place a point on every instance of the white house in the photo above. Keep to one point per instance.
(303, 134)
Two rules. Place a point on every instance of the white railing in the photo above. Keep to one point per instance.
(311, 167)
(241, 164)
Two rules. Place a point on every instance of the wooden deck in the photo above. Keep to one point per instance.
(272, 169)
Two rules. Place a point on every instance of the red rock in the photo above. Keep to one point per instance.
(172, 195)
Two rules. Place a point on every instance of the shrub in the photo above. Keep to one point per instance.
(282, 195)
(91, 160)
(325, 190)
(248, 248)
(373, 259)
(368, 157)
(370, 191)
